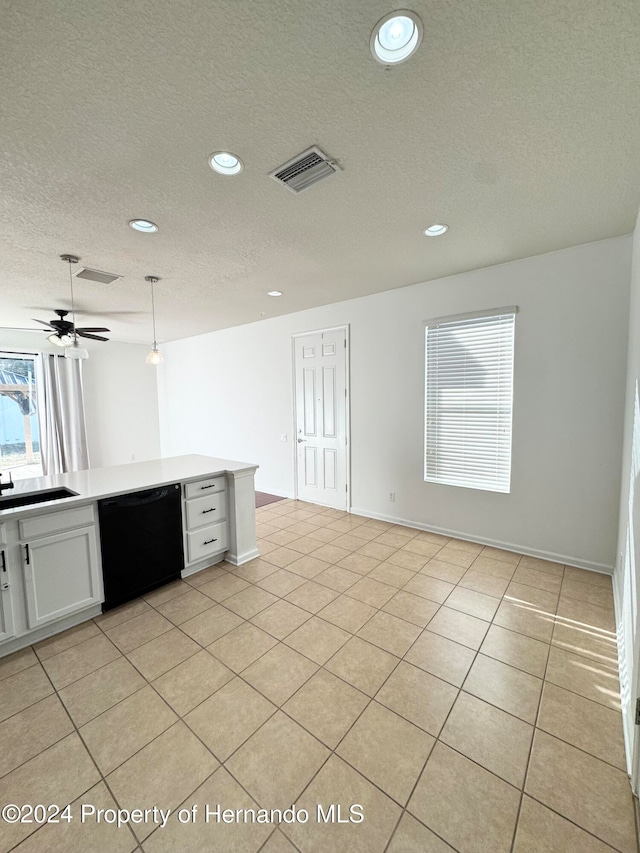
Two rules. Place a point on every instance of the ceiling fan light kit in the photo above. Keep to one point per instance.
(59, 340)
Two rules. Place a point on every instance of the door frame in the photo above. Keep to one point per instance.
(347, 407)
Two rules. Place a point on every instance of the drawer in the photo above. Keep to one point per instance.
(201, 487)
(206, 510)
(207, 540)
(54, 522)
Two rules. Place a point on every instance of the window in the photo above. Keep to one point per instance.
(19, 431)
(468, 400)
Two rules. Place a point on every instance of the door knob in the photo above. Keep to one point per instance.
(301, 440)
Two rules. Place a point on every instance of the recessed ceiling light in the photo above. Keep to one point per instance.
(435, 230)
(143, 225)
(395, 37)
(225, 163)
(274, 293)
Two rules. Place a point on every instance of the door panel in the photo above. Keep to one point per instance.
(329, 395)
(310, 466)
(61, 575)
(321, 417)
(309, 397)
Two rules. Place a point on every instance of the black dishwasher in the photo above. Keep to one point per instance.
(141, 542)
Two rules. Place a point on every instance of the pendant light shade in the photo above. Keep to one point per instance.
(76, 352)
(155, 356)
(73, 349)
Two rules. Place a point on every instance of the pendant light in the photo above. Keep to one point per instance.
(155, 356)
(73, 350)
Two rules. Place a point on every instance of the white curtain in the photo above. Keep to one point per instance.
(63, 431)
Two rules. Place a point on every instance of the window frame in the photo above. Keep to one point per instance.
(32, 355)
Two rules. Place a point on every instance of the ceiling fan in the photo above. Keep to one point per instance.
(64, 331)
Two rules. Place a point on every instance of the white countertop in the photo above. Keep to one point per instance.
(96, 483)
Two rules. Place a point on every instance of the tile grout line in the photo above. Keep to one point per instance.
(438, 738)
(311, 614)
(93, 760)
(277, 639)
(246, 620)
(533, 735)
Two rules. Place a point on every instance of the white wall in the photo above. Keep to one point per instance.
(121, 399)
(626, 581)
(229, 394)
(121, 405)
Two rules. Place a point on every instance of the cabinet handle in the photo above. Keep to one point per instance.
(209, 541)
(205, 511)
(212, 486)
(26, 553)
(4, 562)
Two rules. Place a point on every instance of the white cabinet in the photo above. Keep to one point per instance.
(61, 574)
(205, 521)
(50, 574)
(6, 609)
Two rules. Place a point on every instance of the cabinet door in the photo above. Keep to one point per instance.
(6, 611)
(61, 575)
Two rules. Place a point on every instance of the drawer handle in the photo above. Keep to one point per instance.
(212, 486)
(209, 541)
(205, 511)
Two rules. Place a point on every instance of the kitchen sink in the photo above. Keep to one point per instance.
(10, 501)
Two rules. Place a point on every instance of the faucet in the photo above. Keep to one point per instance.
(9, 485)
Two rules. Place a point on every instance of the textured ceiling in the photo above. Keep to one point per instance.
(517, 123)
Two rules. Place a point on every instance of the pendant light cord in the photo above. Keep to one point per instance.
(153, 314)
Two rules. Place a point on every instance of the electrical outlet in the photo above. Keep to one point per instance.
(132, 457)
(392, 496)
(283, 436)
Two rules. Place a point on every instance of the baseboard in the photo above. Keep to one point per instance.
(276, 493)
(241, 559)
(566, 559)
(46, 631)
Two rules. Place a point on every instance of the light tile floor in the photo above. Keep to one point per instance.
(465, 697)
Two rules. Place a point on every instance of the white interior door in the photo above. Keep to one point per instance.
(320, 362)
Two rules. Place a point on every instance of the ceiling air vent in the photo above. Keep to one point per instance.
(305, 170)
(97, 275)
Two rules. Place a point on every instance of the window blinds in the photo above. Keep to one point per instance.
(468, 400)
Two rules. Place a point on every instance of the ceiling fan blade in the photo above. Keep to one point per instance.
(121, 313)
(19, 329)
(93, 337)
(82, 329)
(44, 323)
